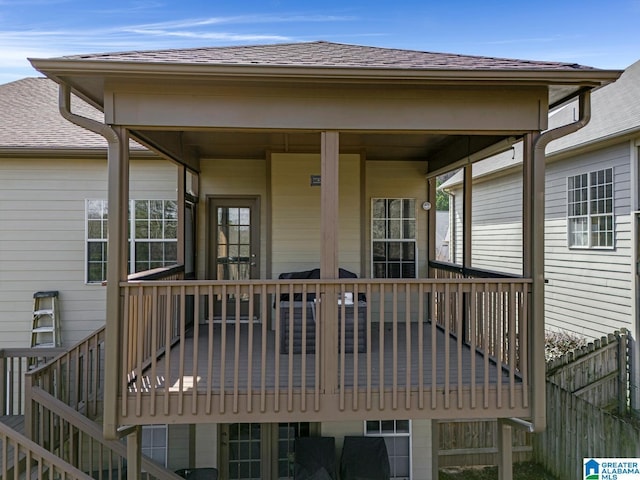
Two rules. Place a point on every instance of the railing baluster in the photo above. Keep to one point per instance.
(236, 352)
(447, 344)
(196, 344)
(369, 353)
(435, 307)
(250, 348)
(263, 363)
(154, 348)
(223, 348)
(210, 353)
(342, 342)
(421, 346)
(167, 347)
(303, 373)
(407, 342)
(381, 354)
(473, 340)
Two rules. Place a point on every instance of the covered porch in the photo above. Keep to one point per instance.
(336, 149)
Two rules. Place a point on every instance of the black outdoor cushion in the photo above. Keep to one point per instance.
(311, 275)
(364, 458)
(315, 458)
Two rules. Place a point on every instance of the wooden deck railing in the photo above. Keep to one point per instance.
(23, 458)
(242, 350)
(79, 442)
(76, 376)
(14, 363)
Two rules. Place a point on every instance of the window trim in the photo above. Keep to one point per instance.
(589, 216)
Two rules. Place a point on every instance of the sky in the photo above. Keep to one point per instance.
(595, 33)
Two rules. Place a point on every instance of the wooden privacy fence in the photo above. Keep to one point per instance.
(474, 442)
(583, 387)
(597, 372)
(577, 429)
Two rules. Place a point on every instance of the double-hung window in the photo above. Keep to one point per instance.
(590, 210)
(153, 234)
(393, 237)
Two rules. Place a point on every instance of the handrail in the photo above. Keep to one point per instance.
(157, 273)
(471, 272)
(14, 363)
(44, 459)
(92, 429)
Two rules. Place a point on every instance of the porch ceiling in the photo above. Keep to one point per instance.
(376, 146)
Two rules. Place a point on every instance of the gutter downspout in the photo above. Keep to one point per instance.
(538, 368)
(112, 331)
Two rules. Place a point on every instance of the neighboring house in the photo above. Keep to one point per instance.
(592, 220)
(309, 158)
(592, 214)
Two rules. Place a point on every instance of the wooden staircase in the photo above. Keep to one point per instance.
(49, 416)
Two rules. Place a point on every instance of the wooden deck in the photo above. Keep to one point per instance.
(463, 366)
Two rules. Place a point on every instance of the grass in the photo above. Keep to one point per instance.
(521, 471)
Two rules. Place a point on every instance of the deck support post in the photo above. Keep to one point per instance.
(117, 250)
(134, 453)
(505, 450)
(435, 448)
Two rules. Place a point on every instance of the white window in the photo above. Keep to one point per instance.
(153, 236)
(397, 437)
(590, 210)
(393, 237)
(154, 443)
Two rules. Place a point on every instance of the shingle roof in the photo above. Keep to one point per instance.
(615, 109)
(326, 54)
(30, 118)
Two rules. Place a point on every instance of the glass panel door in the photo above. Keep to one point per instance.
(245, 459)
(234, 245)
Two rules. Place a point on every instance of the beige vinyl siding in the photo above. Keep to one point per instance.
(178, 443)
(42, 238)
(589, 290)
(224, 177)
(395, 179)
(296, 212)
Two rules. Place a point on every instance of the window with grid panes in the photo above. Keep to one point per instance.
(153, 238)
(590, 210)
(154, 443)
(393, 237)
(397, 437)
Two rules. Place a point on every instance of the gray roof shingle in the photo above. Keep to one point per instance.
(30, 118)
(327, 54)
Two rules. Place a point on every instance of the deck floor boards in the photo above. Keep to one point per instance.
(169, 372)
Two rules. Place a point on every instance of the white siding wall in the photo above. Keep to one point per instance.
(42, 238)
(588, 290)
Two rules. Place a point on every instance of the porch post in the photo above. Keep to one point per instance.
(431, 225)
(117, 249)
(533, 244)
(182, 178)
(505, 450)
(329, 220)
(329, 205)
(466, 213)
(134, 453)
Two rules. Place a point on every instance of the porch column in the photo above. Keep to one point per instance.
(533, 242)
(117, 254)
(466, 214)
(182, 179)
(329, 220)
(134, 453)
(505, 450)
(431, 225)
(329, 205)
